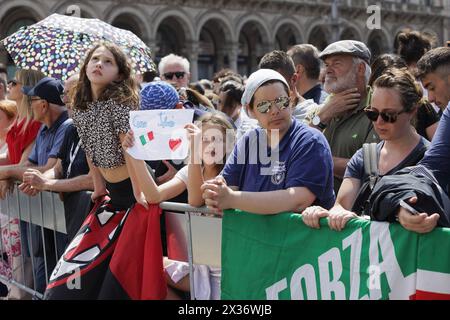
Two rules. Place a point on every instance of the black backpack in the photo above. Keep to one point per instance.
(361, 205)
(370, 160)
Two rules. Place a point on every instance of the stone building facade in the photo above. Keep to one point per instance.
(214, 34)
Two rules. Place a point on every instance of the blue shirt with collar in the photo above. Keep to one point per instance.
(49, 140)
(316, 93)
(302, 159)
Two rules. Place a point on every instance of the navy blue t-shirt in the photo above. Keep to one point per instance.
(69, 149)
(304, 160)
(316, 93)
(437, 158)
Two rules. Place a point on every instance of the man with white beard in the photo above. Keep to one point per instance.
(345, 125)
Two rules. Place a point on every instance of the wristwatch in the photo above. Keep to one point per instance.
(316, 122)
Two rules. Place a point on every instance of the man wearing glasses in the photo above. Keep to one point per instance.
(45, 101)
(175, 70)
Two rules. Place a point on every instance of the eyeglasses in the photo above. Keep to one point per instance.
(390, 117)
(169, 75)
(281, 103)
(13, 82)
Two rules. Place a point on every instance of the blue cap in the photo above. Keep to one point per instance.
(47, 88)
(159, 95)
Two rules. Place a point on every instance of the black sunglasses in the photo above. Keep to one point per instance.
(280, 102)
(169, 75)
(390, 117)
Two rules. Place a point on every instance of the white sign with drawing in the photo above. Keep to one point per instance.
(160, 134)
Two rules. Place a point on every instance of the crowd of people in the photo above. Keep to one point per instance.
(312, 132)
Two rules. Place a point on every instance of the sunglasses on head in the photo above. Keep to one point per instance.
(13, 82)
(280, 102)
(169, 75)
(390, 117)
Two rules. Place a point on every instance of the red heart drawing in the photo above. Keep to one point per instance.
(174, 143)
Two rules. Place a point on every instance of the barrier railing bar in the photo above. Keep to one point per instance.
(22, 238)
(182, 207)
(54, 229)
(22, 287)
(43, 238)
(30, 240)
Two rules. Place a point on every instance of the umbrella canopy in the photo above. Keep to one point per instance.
(57, 45)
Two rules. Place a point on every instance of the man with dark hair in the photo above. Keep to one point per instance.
(279, 61)
(307, 68)
(433, 69)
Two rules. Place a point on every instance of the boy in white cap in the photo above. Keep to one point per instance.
(299, 171)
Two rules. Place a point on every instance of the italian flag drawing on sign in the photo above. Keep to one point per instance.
(145, 138)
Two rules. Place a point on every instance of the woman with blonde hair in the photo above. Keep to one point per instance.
(21, 136)
(20, 140)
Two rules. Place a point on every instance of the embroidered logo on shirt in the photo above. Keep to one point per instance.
(355, 136)
(278, 173)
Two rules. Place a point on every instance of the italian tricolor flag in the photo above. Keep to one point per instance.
(146, 138)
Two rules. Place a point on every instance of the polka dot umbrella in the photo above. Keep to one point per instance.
(58, 44)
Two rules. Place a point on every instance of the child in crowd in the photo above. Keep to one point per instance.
(297, 170)
(105, 94)
(208, 141)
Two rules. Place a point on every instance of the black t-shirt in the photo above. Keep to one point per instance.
(67, 150)
(426, 116)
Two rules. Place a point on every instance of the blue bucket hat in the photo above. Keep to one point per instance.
(159, 95)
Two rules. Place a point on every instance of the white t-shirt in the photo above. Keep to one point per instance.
(182, 174)
(244, 124)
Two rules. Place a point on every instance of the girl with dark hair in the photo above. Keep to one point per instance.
(104, 95)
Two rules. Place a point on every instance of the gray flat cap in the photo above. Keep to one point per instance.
(257, 79)
(351, 47)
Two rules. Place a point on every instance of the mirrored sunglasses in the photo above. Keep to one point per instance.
(280, 102)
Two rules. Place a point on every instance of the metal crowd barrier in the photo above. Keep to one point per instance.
(196, 234)
(193, 234)
(45, 210)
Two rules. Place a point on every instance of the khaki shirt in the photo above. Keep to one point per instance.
(347, 134)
